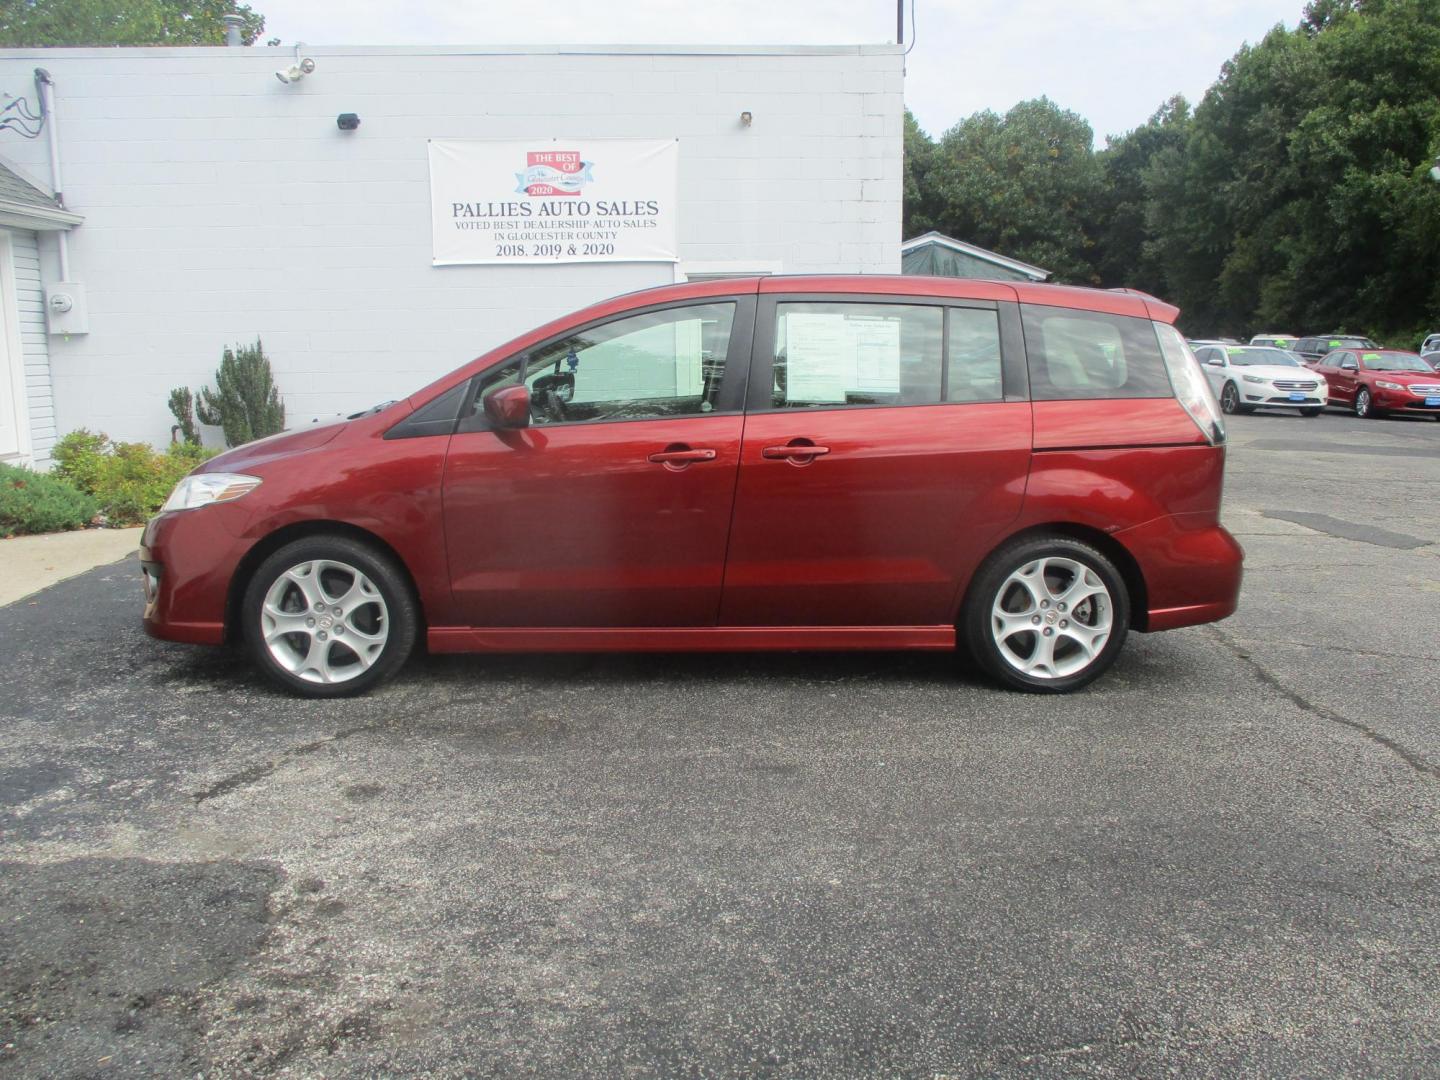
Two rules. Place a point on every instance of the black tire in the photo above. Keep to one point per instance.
(1230, 400)
(1311, 412)
(990, 585)
(1365, 405)
(395, 609)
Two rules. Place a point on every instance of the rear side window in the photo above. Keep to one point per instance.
(973, 355)
(829, 354)
(1086, 354)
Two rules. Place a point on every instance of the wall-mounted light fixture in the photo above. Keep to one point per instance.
(298, 70)
(746, 119)
(347, 121)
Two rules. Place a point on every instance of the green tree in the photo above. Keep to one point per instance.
(1125, 256)
(920, 211)
(31, 23)
(1023, 184)
(1301, 198)
(245, 402)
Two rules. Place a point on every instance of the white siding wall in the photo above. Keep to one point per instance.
(30, 299)
(221, 205)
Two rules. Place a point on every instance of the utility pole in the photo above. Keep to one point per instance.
(899, 22)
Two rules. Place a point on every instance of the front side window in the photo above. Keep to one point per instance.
(829, 354)
(658, 363)
(1077, 354)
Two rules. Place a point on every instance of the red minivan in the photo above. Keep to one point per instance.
(1026, 471)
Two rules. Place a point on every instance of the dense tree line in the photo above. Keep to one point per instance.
(1295, 197)
(31, 23)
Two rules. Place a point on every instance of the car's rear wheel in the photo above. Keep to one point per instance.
(1046, 615)
(329, 616)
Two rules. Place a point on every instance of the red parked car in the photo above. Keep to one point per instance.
(1029, 471)
(1374, 382)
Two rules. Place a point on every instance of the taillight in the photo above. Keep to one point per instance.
(1191, 387)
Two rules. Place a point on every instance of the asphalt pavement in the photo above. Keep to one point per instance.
(1219, 860)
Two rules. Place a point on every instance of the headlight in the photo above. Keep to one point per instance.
(202, 489)
(1388, 385)
(1255, 379)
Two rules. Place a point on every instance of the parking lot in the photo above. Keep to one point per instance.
(1219, 860)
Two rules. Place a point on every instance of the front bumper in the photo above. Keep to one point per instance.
(1402, 401)
(187, 561)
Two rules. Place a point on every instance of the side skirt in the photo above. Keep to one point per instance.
(458, 639)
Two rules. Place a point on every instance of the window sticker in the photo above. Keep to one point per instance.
(1334, 344)
(828, 355)
(816, 348)
(1371, 356)
(877, 354)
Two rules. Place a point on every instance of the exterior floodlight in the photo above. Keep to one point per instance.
(296, 71)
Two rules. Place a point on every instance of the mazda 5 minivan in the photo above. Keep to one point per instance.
(1027, 472)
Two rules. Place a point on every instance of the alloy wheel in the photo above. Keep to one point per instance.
(324, 621)
(1230, 399)
(1362, 403)
(1052, 617)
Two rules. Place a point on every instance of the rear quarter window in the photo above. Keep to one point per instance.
(1077, 354)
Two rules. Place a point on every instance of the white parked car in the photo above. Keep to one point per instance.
(1248, 377)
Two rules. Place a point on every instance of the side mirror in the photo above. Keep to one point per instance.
(1215, 361)
(508, 407)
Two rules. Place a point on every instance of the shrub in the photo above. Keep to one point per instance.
(32, 502)
(245, 401)
(130, 481)
(182, 407)
(78, 456)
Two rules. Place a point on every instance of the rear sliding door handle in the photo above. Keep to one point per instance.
(677, 457)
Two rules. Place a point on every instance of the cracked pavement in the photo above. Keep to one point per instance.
(1219, 860)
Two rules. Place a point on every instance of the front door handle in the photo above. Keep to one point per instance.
(797, 453)
(677, 457)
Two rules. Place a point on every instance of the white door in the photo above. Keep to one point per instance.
(12, 371)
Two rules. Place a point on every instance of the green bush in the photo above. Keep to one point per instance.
(78, 456)
(32, 502)
(130, 481)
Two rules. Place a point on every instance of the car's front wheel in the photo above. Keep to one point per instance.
(1365, 405)
(1230, 399)
(1046, 615)
(329, 616)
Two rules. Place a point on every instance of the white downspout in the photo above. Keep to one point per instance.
(46, 88)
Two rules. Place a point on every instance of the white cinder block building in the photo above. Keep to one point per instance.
(206, 202)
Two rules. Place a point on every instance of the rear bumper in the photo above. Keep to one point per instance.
(1192, 568)
(187, 561)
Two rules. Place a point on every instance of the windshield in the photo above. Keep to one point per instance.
(1395, 361)
(1350, 343)
(1255, 356)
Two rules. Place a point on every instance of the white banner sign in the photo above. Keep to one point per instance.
(553, 200)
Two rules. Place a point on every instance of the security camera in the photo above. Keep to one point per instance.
(296, 71)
